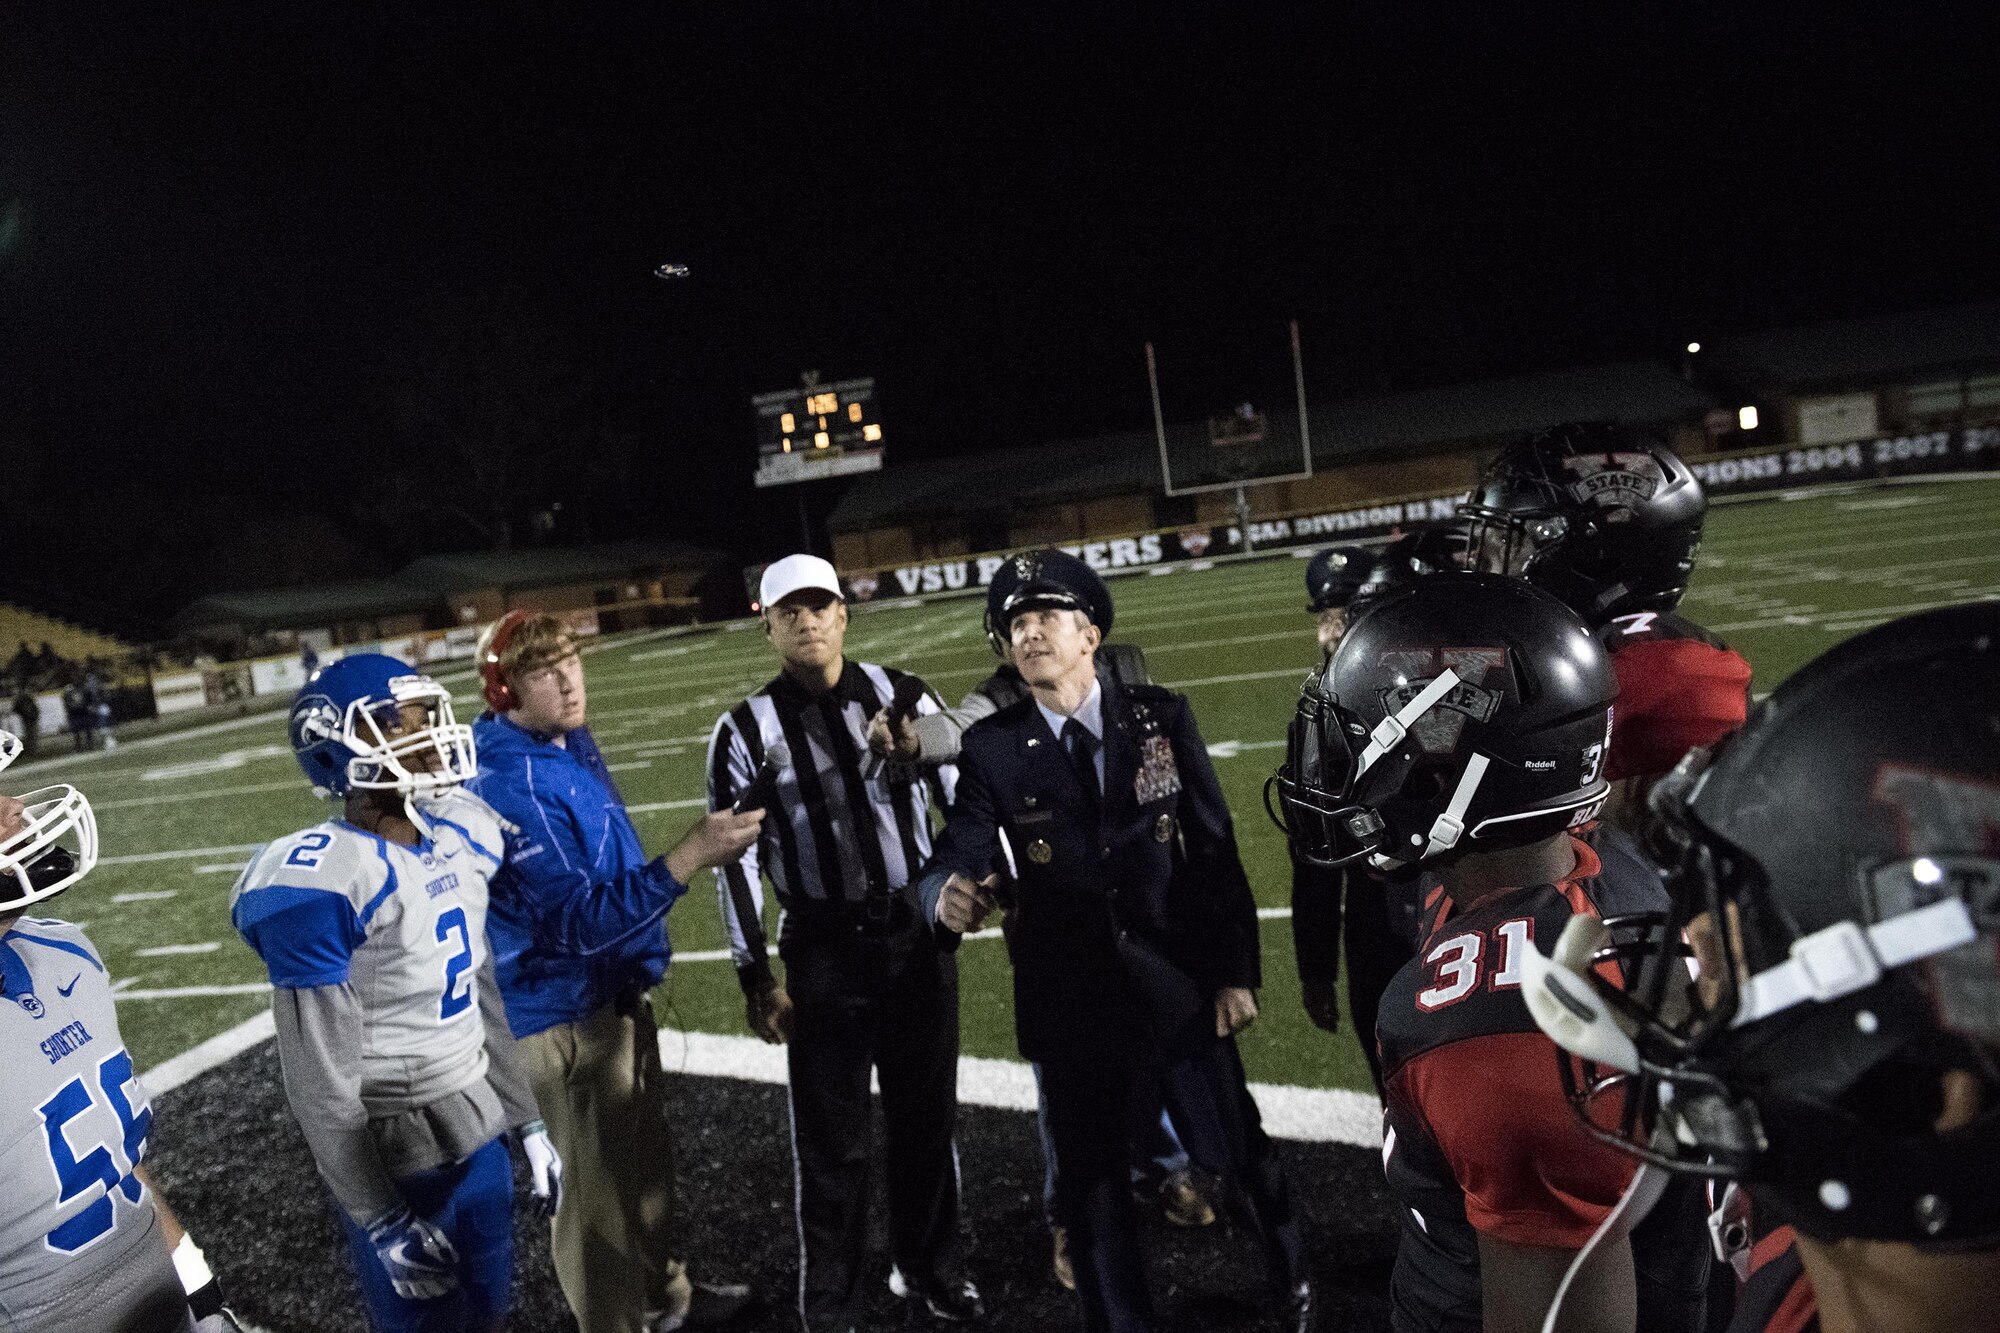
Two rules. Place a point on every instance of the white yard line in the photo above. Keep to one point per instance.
(688, 804)
(196, 992)
(171, 798)
(185, 853)
(170, 950)
(160, 895)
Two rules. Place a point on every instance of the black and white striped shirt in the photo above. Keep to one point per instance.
(833, 840)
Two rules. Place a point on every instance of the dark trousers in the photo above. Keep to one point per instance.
(1376, 944)
(1088, 1099)
(888, 1002)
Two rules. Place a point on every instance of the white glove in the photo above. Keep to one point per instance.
(419, 1259)
(544, 1166)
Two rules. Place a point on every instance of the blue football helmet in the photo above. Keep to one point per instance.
(346, 729)
(55, 846)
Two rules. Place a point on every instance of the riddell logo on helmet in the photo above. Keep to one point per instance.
(1615, 481)
(1438, 730)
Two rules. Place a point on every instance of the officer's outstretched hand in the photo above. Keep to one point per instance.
(1235, 1009)
(893, 738)
(1322, 1003)
(769, 1014)
(964, 906)
(717, 837)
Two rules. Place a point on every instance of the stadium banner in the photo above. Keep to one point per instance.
(1789, 466)
(1119, 555)
(1858, 460)
(179, 692)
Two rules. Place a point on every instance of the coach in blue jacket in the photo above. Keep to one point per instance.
(578, 932)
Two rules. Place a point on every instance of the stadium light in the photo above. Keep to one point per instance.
(1693, 348)
(1746, 418)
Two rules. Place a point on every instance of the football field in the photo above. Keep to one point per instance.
(1781, 579)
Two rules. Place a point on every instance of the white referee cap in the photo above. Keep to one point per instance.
(795, 573)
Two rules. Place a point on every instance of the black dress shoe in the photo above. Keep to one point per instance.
(950, 1303)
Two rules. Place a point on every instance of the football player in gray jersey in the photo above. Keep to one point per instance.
(397, 1059)
(85, 1244)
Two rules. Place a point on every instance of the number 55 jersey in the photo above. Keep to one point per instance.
(382, 945)
(80, 1244)
(1479, 1138)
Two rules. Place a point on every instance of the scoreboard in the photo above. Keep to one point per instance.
(819, 430)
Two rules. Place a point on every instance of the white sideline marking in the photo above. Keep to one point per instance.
(219, 1049)
(166, 950)
(623, 765)
(159, 895)
(186, 853)
(224, 868)
(1307, 1115)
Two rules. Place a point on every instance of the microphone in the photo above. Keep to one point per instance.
(763, 788)
(902, 707)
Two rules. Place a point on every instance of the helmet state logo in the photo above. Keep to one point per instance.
(1614, 481)
(1438, 730)
(314, 719)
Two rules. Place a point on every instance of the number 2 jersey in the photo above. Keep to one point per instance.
(1678, 687)
(80, 1244)
(1478, 1136)
(378, 944)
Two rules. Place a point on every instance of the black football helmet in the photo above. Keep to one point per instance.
(1043, 578)
(1834, 871)
(1467, 712)
(1604, 517)
(1429, 548)
(1334, 575)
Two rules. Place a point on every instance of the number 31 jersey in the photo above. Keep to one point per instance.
(405, 927)
(1478, 1136)
(73, 1123)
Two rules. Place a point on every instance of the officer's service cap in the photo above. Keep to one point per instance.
(1032, 579)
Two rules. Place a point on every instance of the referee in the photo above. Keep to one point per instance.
(866, 983)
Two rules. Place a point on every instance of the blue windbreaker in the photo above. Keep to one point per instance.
(577, 911)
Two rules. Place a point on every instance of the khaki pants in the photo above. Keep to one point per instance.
(599, 1085)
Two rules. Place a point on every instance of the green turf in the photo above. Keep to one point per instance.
(1781, 579)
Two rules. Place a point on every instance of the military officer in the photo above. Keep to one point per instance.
(1135, 945)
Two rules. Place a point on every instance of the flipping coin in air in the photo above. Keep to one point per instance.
(671, 271)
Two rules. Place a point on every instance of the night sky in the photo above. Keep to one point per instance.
(289, 295)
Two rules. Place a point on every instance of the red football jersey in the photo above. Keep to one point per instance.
(1678, 687)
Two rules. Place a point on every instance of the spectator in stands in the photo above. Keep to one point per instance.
(48, 661)
(28, 710)
(308, 658)
(22, 664)
(97, 702)
(82, 721)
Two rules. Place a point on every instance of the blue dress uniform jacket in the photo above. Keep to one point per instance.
(1129, 912)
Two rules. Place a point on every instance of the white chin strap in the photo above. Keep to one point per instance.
(1389, 732)
(1449, 826)
(1649, 1182)
(1847, 956)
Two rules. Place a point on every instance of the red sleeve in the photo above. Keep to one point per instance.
(1530, 1173)
(1673, 694)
